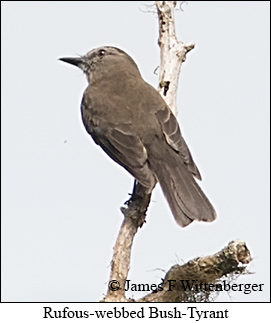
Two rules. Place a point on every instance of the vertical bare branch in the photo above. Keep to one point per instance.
(134, 217)
(173, 53)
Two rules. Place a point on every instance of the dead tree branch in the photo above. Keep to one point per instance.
(134, 217)
(172, 53)
(206, 271)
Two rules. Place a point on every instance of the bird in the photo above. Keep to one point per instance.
(131, 122)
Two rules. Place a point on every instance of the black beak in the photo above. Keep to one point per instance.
(77, 61)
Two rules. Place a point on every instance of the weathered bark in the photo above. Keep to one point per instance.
(134, 217)
(206, 270)
(172, 53)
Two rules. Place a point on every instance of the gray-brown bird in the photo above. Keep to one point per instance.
(132, 123)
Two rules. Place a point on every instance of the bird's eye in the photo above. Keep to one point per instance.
(101, 52)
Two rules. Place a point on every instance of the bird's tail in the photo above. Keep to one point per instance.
(185, 198)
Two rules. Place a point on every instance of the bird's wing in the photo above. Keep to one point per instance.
(124, 147)
(173, 136)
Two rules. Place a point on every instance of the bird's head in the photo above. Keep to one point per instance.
(103, 61)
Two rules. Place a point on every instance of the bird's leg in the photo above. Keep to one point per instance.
(131, 194)
(138, 204)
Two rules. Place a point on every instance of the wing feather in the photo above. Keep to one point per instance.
(173, 136)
